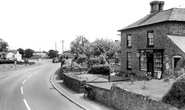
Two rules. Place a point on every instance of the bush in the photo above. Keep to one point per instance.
(93, 61)
(100, 69)
(81, 59)
(176, 95)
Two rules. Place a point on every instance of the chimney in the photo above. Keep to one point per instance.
(156, 6)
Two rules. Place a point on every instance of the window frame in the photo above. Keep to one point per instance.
(129, 61)
(129, 40)
(149, 39)
(143, 60)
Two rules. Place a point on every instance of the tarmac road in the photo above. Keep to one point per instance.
(29, 88)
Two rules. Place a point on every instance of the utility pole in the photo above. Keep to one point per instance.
(40, 51)
(62, 46)
(55, 46)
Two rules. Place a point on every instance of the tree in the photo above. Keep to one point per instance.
(21, 51)
(53, 53)
(106, 46)
(28, 53)
(77, 46)
(3, 46)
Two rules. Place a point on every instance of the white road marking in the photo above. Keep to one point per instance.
(27, 106)
(29, 76)
(21, 90)
(24, 81)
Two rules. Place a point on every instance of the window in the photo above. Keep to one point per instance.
(129, 40)
(143, 61)
(158, 61)
(150, 38)
(129, 60)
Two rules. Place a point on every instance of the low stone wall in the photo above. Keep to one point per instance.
(122, 99)
(73, 82)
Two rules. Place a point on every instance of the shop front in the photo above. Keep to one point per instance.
(151, 62)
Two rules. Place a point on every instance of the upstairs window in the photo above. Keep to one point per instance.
(129, 40)
(150, 38)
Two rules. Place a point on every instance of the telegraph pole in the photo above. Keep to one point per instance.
(62, 46)
(55, 46)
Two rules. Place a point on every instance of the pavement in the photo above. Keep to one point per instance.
(77, 98)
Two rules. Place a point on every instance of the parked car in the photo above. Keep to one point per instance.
(56, 60)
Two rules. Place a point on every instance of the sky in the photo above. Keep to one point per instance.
(40, 24)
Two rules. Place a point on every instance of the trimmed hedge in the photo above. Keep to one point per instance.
(100, 69)
(176, 95)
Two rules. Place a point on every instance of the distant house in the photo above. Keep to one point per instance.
(10, 55)
(42, 54)
(155, 44)
(14, 55)
(18, 56)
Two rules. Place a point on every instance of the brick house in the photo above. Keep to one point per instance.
(155, 44)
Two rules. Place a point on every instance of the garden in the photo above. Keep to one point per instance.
(103, 72)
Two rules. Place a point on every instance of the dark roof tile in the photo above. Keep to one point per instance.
(173, 14)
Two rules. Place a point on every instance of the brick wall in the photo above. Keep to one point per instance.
(122, 99)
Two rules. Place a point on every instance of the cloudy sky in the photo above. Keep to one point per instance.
(40, 23)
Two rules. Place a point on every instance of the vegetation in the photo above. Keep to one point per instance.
(52, 53)
(21, 51)
(100, 69)
(28, 53)
(81, 45)
(176, 95)
(3, 46)
(106, 46)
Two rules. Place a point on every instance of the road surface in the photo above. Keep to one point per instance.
(29, 88)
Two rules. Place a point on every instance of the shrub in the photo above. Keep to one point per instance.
(94, 61)
(100, 69)
(81, 59)
(176, 95)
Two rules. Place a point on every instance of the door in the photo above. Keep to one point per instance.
(150, 63)
(175, 59)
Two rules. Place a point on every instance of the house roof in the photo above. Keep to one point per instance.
(173, 14)
(179, 41)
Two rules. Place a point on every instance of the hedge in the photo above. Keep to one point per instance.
(100, 69)
(176, 95)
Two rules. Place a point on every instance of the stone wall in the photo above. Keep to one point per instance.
(72, 82)
(122, 99)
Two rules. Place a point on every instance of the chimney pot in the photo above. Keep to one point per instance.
(156, 6)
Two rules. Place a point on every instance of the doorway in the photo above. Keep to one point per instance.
(150, 63)
(175, 59)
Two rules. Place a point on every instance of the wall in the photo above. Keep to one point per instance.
(72, 82)
(125, 100)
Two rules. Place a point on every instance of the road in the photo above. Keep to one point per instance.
(29, 88)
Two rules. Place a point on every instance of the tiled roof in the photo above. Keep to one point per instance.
(179, 41)
(173, 14)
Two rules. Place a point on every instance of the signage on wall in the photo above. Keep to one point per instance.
(149, 50)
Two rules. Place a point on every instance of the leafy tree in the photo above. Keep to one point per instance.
(21, 51)
(53, 53)
(106, 46)
(3, 46)
(77, 46)
(28, 53)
